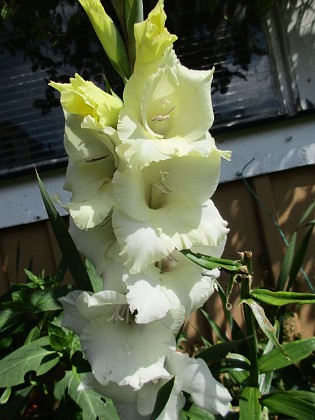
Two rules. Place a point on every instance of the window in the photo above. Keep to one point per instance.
(255, 78)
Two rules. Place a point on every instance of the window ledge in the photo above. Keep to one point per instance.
(255, 151)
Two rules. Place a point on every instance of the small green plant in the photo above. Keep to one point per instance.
(41, 362)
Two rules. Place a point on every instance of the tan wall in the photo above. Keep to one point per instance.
(284, 194)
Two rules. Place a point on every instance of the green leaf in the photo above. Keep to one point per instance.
(249, 404)
(240, 377)
(303, 395)
(210, 263)
(9, 318)
(214, 326)
(287, 263)
(296, 350)
(218, 351)
(197, 413)
(264, 323)
(46, 300)
(306, 214)
(58, 339)
(61, 386)
(33, 334)
(299, 257)
(265, 379)
(234, 362)
(65, 242)
(5, 342)
(287, 404)
(96, 279)
(235, 365)
(5, 396)
(162, 398)
(281, 298)
(93, 405)
(35, 356)
(33, 278)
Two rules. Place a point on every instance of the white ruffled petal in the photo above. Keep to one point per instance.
(196, 379)
(139, 242)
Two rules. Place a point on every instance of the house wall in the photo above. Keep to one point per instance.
(284, 194)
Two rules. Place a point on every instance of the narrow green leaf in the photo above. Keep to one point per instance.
(282, 298)
(232, 363)
(46, 300)
(32, 277)
(264, 323)
(218, 351)
(240, 377)
(287, 263)
(93, 405)
(96, 279)
(35, 356)
(287, 404)
(303, 395)
(210, 263)
(197, 413)
(9, 318)
(5, 396)
(250, 407)
(265, 379)
(215, 326)
(66, 244)
(299, 257)
(306, 214)
(162, 398)
(296, 350)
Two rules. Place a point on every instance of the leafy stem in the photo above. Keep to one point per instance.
(246, 280)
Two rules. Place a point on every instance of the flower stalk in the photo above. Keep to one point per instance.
(246, 280)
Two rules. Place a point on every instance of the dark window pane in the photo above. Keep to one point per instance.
(42, 40)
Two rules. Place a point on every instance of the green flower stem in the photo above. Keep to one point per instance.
(246, 280)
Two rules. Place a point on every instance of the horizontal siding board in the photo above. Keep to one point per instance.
(286, 194)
